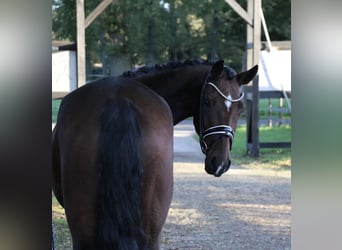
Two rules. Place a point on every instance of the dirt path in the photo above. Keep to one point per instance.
(243, 209)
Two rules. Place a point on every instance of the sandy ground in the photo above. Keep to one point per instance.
(243, 209)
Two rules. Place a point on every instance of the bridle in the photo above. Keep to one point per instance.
(224, 130)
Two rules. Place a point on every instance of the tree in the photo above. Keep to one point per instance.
(64, 20)
(149, 31)
(278, 18)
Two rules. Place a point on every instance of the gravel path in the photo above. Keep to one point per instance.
(243, 209)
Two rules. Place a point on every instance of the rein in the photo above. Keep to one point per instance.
(224, 130)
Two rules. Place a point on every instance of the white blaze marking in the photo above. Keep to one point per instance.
(228, 103)
(218, 170)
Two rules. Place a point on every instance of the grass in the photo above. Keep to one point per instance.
(264, 112)
(62, 236)
(273, 158)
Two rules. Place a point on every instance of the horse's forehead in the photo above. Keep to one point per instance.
(231, 73)
(230, 84)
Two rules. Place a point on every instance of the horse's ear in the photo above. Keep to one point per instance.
(246, 76)
(217, 69)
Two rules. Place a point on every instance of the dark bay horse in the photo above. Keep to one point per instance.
(210, 93)
(112, 147)
(113, 165)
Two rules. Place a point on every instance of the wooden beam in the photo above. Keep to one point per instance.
(251, 146)
(96, 12)
(81, 66)
(275, 144)
(256, 31)
(255, 87)
(253, 50)
(249, 43)
(238, 9)
(82, 24)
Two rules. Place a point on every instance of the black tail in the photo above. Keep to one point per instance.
(120, 181)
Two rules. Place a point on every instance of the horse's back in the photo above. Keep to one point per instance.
(89, 121)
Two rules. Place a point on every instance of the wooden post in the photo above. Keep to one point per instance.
(249, 64)
(96, 12)
(249, 42)
(82, 24)
(253, 45)
(255, 88)
(281, 110)
(239, 10)
(253, 51)
(81, 66)
(270, 106)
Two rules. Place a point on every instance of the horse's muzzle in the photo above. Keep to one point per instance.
(212, 168)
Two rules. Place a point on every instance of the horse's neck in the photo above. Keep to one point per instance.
(181, 91)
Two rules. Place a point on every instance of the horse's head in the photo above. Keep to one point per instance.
(220, 107)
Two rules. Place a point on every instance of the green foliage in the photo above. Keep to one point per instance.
(276, 158)
(151, 31)
(63, 20)
(278, 18)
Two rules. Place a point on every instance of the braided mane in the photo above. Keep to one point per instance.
(169, 66)
(158, 67)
